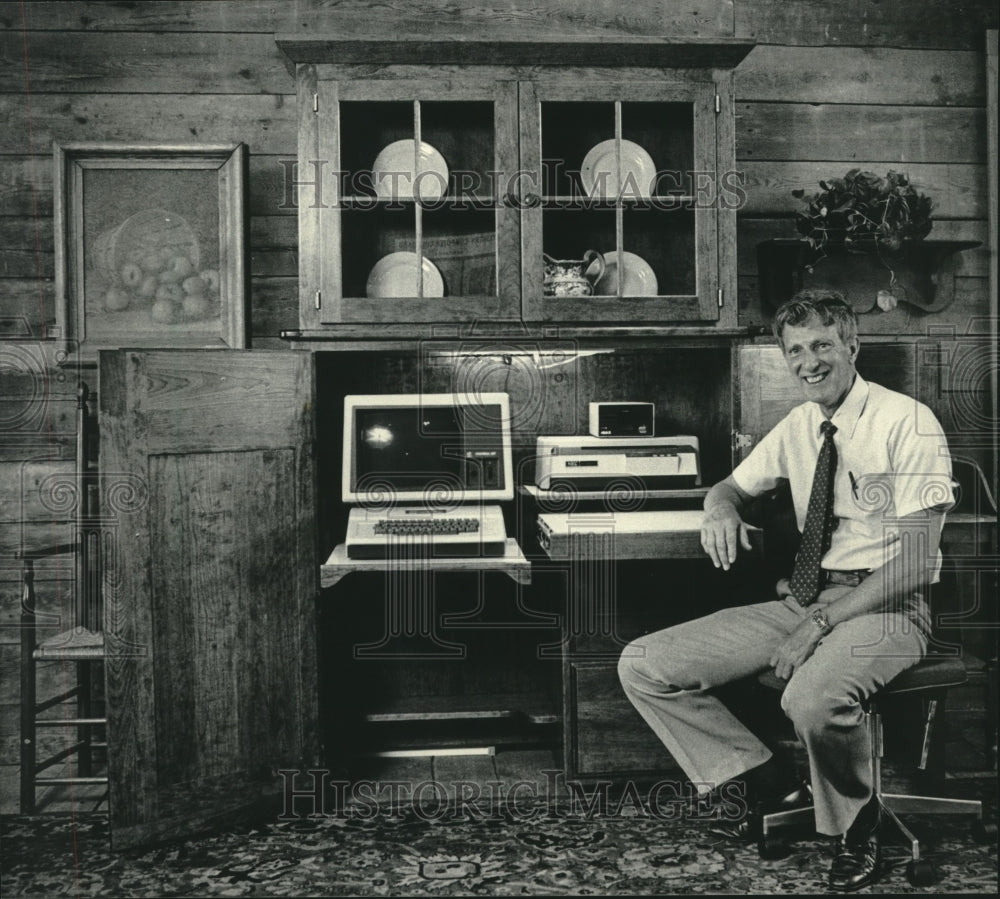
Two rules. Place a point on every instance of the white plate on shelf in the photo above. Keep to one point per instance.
(399, 174)
(638, 278)
(395, 275)
(599, 171)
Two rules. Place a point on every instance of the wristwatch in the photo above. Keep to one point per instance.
(821, 621)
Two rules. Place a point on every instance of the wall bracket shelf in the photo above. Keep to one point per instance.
(921, 275)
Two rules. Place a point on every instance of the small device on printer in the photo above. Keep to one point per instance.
(621, 419)
(595, 463)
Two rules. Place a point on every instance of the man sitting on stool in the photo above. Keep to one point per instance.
(864, 463)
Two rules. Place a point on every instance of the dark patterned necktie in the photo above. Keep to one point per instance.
(805, 583)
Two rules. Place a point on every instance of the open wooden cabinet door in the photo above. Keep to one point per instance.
(207, 461)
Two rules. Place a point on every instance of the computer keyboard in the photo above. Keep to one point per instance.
(415, 527)
(458, 532)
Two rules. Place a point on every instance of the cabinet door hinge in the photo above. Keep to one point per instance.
(742, 441)
(316, 102)
(718, 104)
(721, 297)
(319, 299)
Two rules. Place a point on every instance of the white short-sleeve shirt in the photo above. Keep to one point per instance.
(892, 460)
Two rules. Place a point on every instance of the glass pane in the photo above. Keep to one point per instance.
(666, 132)
(369, 235)
(665, 240)
(569, 131)
(462, 244)
(567, 235)
(366, 130)
(462, 132)
(150, 252)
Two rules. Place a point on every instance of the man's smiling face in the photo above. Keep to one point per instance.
(821, 361)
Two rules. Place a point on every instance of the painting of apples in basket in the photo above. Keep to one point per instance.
(152, 268)
(153, 249)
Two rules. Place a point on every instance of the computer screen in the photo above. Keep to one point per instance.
(437, 449)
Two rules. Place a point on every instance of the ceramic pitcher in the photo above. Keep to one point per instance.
(572, 277)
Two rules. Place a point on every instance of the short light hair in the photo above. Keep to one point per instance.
(828, 306)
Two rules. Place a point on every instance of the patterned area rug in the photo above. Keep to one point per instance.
(540, 851)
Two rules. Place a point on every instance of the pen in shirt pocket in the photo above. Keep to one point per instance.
(854, 484)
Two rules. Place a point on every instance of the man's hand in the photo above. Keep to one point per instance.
(795, 648)
(722, 533)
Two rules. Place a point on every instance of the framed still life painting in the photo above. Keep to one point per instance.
(150, 246)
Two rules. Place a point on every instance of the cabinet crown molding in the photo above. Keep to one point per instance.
(638, 50)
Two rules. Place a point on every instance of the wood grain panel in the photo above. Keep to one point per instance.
(969, 306)
(862, 75)
(215, 574)
(54, 579)
(27, 307)
(48, 741)
(958, 191)
(210, 523)
(53, 678)
(26, 181)
(275, 306)
(515, 50)
(30, 535)
(37, 409)
(36, 491)
(265, 122)
(972, 263)
(800, 131)
(608, 733)
(26, 246)
(26, 263)
(197, 406)
(26, 192)
(916, 23)
(28, 232)
(426, 18)
(129, 62)
(274, 231)
(993, 186)
(274, 263)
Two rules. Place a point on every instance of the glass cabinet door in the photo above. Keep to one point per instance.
(415, 227)
(618, 190)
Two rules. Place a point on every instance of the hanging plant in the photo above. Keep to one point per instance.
(864, 212)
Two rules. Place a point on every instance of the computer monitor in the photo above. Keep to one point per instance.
(436, 449)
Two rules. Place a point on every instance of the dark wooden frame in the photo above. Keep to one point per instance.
(71, 161)
(322, 302)
(705, 304)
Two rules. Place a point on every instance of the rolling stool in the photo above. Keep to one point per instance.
(933, 676)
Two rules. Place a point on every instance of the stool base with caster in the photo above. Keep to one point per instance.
(930, 674)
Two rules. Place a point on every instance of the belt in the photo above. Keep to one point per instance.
(846, 578)
(839, 578)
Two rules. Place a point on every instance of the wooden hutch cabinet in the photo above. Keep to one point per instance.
(485, 159)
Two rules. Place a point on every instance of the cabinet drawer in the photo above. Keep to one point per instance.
(605, 735)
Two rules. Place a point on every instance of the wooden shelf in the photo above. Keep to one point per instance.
(525, 706)
(923, 279)
(968, 532)
(558, 497)
(512, 563)
(346, 336)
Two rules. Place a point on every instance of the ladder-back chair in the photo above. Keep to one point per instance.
(73, 716)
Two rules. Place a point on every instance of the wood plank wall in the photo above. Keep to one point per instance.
(833, 84)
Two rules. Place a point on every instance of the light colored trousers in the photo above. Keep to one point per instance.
(669, 676)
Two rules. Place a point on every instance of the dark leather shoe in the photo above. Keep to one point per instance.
(748, 828)
(857, 860)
